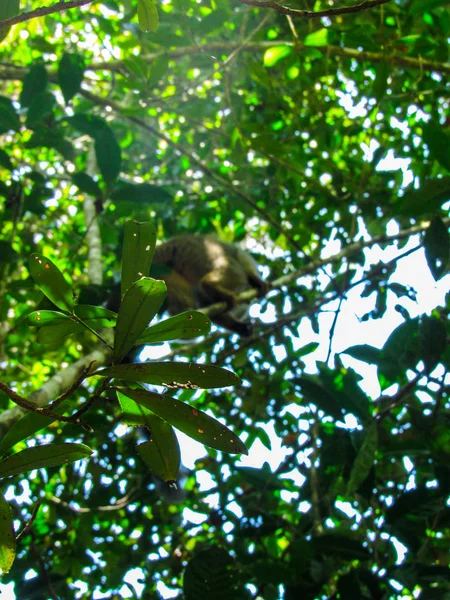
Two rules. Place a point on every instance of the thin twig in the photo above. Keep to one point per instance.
(309, 14)
(29, 524)
(42, 11)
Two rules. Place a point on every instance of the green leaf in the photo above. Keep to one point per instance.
(30, 424)
(9, 120)
(40, 108)
(70, 75)
(275, 54)
(191, 421)
(138, 307)
(89, 124)
(174, 375)
(38, 457)
(86, 184)
(56, 333)
(364, 460)
(162, 453)
(51, 281)
(418, 7)
(143, 193)
(211, 574)
(438, 143)
(96, 316)
(382, 72)
(436, 243)
(433, 341)
(108, 154)
(34, 83)
(7, 537)
(147, 15)
(427, 199)
(138, 247)
(317, 38)
(186, 325)
(5, 161)
(51, 138)
(39, 318)
(9, 9)
(158, 69)
(318, 395)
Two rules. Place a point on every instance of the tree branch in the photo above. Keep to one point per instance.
(42, 11)
(310, 14)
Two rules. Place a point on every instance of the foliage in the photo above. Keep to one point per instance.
(321, 144)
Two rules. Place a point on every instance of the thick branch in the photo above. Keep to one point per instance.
(310, 14)
(42, 11)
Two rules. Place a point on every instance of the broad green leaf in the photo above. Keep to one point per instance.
(70, 74)
(9, 9)
(318, 395)
(40, 108)
(275, 54)
(7, 253)
(55, 333)
(162, 453)
(138, 246)
(51, 138)
(108, 154)
(191, 421)
(191, 376)
(9, 119)
(418, 7)
(436, 243)
(212, 573)
(438, 143)
(39, 318)
(96, 316)
(433, 341)
(186, 325)
(91, 125)
(158, 69)
(382, 72)
(147, 15)
(7, 537)
(427, 199)
(30, 424)
(364, 460)
(39, 457)
(143, 193)
(317, 38)
(34, 83)
(138, 307)
(86, 184)
(5, 160)
(51, 281)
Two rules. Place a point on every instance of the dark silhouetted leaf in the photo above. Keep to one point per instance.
(174, 375)
(436, 243)
(138, 246)
(7, 537)
(186, 325)
(51, 281)
(191, 421)
(70, 74)
(138, 307)
(38, 457)
(34, 83)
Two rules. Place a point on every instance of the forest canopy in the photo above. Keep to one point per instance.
(307, 458)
